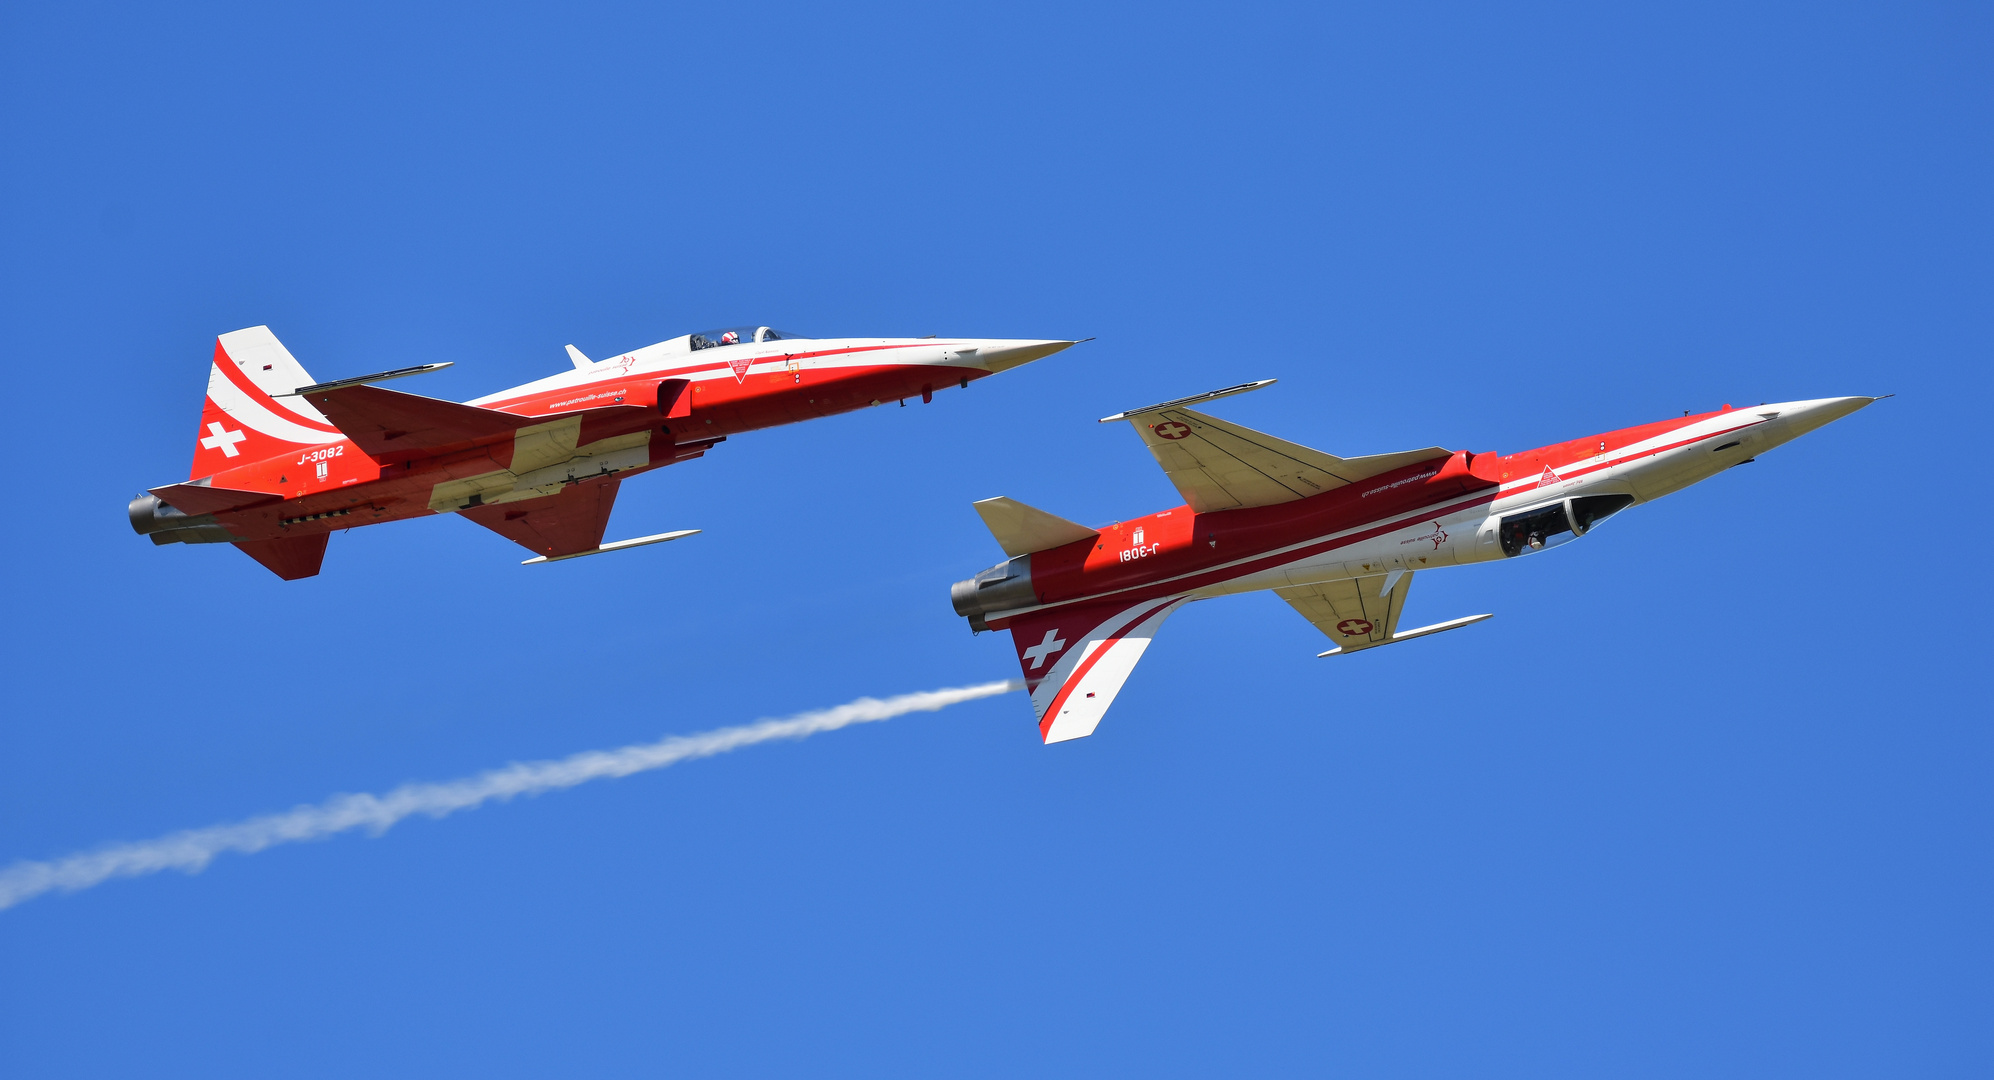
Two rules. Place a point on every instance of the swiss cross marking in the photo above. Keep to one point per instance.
(224, 441)
(1353, 627)
(1037, 654)
(1170, 429)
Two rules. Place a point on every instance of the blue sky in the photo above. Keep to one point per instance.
(1708, 796)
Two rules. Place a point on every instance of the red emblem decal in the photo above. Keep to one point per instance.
(740, 366)
(1170, 429)
(1353, 627)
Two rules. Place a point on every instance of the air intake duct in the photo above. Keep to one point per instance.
(1559, 522)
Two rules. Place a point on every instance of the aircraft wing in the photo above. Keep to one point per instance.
(1221, 466)
(563, 524)
(1076, 659)
(1362, 613)
(391, 425)
(1356, 613)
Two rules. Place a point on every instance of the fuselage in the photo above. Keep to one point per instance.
(1464, 509)
(679, 398)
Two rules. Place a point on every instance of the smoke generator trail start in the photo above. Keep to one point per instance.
(191, 851)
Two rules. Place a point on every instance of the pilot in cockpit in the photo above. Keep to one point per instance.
(730, 338)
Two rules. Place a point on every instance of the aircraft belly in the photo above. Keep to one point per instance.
(545, 444)
(585, 466)
(604, 457)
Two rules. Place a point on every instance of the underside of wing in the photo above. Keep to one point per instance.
(1356, 613)
(1221, 466)
(564, 524)
(1218, 465)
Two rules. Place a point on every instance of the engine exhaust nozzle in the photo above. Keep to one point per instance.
(1000, 588)
(168, 525)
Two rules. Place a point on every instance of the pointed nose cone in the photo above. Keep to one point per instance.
(1800, 417)
(1003, 354)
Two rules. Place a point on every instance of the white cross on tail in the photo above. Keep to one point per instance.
(224, 441)
(1037, 653)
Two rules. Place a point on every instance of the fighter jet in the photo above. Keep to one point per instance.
(280, 460)
(1340, 539)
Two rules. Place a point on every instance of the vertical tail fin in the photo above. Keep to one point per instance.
(244, 419)
(1075, 660)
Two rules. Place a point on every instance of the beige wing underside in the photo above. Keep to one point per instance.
(1222, 466)
(1355, 613)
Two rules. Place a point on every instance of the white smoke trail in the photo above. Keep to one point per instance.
(190, 851)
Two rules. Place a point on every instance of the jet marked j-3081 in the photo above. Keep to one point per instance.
(1338, 538)
(281, 461)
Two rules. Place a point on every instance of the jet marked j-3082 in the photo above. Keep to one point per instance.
(281, 461)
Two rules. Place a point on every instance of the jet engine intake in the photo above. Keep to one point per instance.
(1557, 523)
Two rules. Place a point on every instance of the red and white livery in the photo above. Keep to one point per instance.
(281, 461)
(1338, 538)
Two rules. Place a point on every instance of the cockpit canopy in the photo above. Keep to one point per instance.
(738, 335)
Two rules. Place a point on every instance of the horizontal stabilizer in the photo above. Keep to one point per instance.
(1021, 529)
(1408, 635)
(199, 499)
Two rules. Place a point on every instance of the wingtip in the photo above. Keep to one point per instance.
(1242, 388)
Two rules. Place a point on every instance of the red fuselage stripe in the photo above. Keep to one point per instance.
(1625, 458)
(1254, 564)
